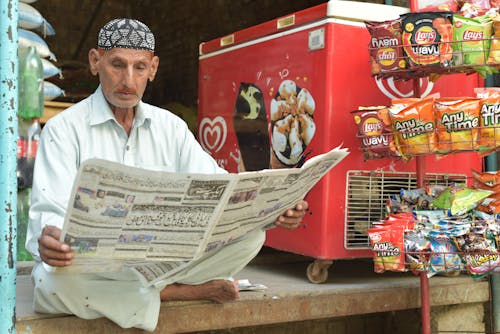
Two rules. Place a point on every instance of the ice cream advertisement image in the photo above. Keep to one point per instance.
(267, 122)
(292, 125)
(251, 127)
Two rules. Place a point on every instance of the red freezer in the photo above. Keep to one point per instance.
(313, 66)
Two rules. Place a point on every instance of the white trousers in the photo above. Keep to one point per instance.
(123, 299)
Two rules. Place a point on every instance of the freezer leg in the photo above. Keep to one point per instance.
(317, 271)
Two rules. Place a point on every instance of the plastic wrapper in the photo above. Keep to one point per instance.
(457, 123)
(472, 36)
(387, 244)
(386, 53)
(414, 128)
(460, 200)
(494, 54)
(489, 134)
(426, 38)
(377, 141)
(444, 258)
(439, 6)
(480, 254)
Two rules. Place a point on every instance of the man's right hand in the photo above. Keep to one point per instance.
(52, 251)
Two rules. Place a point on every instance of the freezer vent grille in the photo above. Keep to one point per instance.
(367, 192)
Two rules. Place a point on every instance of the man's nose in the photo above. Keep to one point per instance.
(128, 75)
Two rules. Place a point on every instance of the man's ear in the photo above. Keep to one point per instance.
(155, 62)
(94, 58)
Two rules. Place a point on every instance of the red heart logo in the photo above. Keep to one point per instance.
(403, 88)
(212, 133)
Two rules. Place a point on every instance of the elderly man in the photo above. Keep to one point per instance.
(114, 124)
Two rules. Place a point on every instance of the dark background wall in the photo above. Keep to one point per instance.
(179, 26)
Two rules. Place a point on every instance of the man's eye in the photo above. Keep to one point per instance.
(117, 65)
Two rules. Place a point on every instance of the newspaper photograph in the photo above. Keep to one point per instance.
(157, 222)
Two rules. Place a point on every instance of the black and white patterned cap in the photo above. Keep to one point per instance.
(126, 33)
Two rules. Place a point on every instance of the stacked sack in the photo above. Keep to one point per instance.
(33, 91)
(30, 20)
(431, 125)
(451, 34)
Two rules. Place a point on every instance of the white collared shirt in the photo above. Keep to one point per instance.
(158, 140)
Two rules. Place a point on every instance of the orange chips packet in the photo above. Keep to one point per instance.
(489, 135)
(414, 128)
(494, 55)
(457, 123)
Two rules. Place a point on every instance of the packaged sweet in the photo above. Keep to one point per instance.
(417, 249)
(386, 53)
(472, 39)
(440, 6)
(444, 258)
(457, 123)
(430, 216)
(489, 134)
(377, 141)
(460, 200)
(479, 253)
(426, 38)
(487, 178)
(414, 128)
(387, 244)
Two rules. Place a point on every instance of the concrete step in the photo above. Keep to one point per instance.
(352, 288)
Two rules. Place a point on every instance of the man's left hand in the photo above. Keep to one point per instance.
(292, 218)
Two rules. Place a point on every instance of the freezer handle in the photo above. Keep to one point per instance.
(285, 22)
(227, 40)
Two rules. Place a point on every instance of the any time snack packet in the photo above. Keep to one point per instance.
(489, 135)
(414, 128)
(457, 123)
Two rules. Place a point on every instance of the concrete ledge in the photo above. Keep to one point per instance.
(352, 289)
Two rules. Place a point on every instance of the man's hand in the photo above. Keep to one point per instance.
(292, 218)
(51, 250)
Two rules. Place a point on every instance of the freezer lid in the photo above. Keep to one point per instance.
(345, 10)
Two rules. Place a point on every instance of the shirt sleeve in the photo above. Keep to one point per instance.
(56, 166)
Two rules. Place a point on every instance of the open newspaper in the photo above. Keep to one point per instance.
(158, 222)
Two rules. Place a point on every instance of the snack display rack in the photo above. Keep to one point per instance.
(434, 72)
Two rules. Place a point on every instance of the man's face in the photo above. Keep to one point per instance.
(123, 74)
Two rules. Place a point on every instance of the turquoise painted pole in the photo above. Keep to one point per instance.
(8, 152)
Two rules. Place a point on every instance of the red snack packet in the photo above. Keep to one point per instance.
(386, 53)
(376, 139)
(388, 248)
(427, 38)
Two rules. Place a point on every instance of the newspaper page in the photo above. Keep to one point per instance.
(158, 222)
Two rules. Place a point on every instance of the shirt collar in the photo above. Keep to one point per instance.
(101, 112)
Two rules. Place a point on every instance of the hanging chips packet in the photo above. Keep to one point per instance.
(494, 55)
(386, 53)
(489, 134)
(472, 39)
(427, 37)
(414, 128)
(457, 124)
